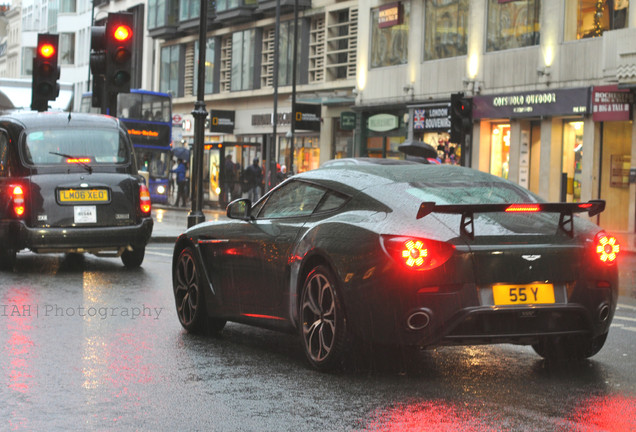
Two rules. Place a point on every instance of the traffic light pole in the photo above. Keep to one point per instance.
(199, 113)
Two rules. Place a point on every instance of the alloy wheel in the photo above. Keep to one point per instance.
(319, 317)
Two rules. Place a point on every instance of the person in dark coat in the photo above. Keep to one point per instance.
(180, 171)
(253, 177)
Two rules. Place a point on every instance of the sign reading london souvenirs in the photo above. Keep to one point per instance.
(222, 121)
(432, 118)
(307, 117)
(557, 102)
(609, 103)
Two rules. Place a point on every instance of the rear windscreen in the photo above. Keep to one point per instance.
(75, 146)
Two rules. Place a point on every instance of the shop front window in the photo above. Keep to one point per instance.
(447, 152)
(307, 153)
(446, 25)
(513, 24)
(389, 41)
(500, 150)
(590, 18)
(572, 157)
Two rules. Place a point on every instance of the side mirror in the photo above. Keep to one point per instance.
(240, 209)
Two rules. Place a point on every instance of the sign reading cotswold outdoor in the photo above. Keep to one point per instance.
(307, 117)
(382, 122)
(222, 121)
(556, 102)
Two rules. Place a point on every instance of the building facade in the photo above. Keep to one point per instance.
(551, 87)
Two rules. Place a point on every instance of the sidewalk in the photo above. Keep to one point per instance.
(172, 221)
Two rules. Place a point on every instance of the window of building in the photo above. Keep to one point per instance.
(389, 37)
(170, 61)
(513, 24)
(590, 18)
(500, 150)
(162, 13)
(68, 6)
(223, 5)
(189, 9)
(209, 66)
(243, 60)
(27, 61)
(285, 55)
(67, 49)
(446, 26)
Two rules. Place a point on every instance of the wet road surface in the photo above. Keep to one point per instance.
(93, 346)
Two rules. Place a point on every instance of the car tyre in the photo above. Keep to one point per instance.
(133, 258)
(7, 259)
(322, 317)
(569, 348)
(189, 296)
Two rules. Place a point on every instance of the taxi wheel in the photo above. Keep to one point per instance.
(7, 259)
(323, 324)
(133, 258)
(190, 298)
(564, 348)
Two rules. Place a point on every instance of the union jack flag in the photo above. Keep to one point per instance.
(419, 117)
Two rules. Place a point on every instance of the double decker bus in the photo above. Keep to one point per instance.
(148, 118)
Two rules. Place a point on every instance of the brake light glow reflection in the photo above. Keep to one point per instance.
(144, 199)
(523, 208)
(417, 253)
(18, 200)
(78, 160)
(607, 248)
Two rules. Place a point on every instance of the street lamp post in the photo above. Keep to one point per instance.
(199, 113)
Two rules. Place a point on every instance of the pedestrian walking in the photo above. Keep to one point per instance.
(253, 177)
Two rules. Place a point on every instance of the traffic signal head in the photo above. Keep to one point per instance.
(119, 49)
(461, 117)
(46, 72)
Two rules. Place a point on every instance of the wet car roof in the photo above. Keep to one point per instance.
(54, 119)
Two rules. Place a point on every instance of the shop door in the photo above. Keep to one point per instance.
(535, 156)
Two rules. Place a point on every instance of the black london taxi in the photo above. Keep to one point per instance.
(69, 184)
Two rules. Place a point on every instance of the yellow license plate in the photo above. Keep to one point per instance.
(83, 195)
(535, 293)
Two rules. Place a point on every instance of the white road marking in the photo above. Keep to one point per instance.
(624, 306)
(624, 318)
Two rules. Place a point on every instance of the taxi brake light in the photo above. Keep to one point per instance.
(144, 199)
(17, 195)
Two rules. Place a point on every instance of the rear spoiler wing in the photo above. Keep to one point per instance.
(467, 226)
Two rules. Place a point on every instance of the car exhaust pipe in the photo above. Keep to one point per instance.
(419, 319)
(603, 312)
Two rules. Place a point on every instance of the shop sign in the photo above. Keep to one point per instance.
(390, 15)
(433, 118)
(557, 102)
(268, 119)
(347, 120)
(307, 117)
(611, 104)
(222, 121)
(382, 122)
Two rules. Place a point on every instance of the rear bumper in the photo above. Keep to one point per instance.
(19, 236)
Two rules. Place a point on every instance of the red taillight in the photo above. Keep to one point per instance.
(417, 253)
(17, 196)
(144, 199)
(523, 208)
(607, 248)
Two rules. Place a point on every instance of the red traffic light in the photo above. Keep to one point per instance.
(46, 50)
(122, 33)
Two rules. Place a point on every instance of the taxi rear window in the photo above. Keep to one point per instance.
(75, 145)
